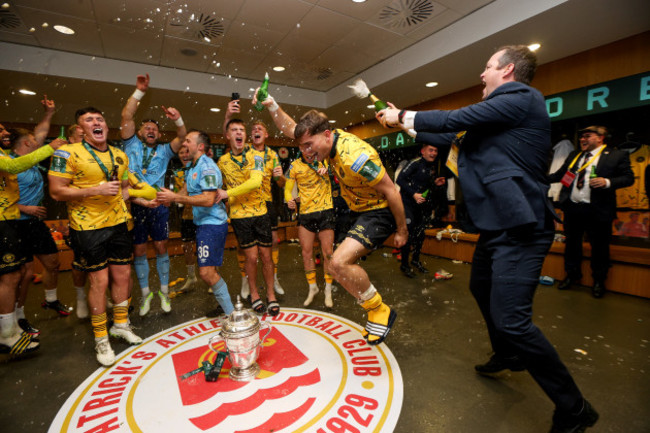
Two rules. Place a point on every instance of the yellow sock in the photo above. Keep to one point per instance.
(275, 254)
(241, 259)
(328, 278)
(121, 313)
(311, 276)
(98, 322)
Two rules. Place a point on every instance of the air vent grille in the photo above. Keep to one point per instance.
(201, 26)
(323, 73)
(8, 20)
(406, 13)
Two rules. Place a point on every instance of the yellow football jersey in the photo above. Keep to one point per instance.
(74, 162)
(358, 168)
(9, 194)
(236, 170)
(270, 158)
(314, 190)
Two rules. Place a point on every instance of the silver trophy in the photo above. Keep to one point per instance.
(241, 334)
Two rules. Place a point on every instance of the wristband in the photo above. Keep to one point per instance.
(400, 116)
(179, 122)
(274, 106)
(138, 94)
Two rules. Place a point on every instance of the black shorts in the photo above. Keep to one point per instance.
(36, 238)
(372, 228)
(188, 230)
(12, 255)
(318, 221)
(252, 231)
(272, 213)
(94, 250)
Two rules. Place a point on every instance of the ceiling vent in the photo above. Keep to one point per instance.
(323, 73)
(405, 13)
(200, 27)
(9, 20)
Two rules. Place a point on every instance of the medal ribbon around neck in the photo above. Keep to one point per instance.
(99, 161)
(243, 161)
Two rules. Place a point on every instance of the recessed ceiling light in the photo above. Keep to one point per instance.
(215, 110)
(26, 92)
(278, 68)
(432, 84)
(534, 47)
(359, 1)
(63, 29)
(332, 121)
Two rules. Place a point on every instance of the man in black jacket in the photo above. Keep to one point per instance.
(590, 178)
(419, 183)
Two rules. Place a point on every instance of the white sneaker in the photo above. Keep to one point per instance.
(310, 296)
(105, 354)
(82, 308)
(125, 332)
(328, 297)
(277, 287)
(245, 288)
(145, 306)
(165, 302)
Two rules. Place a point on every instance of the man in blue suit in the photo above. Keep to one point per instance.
(502, 166)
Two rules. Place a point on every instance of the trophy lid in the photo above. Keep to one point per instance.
(241, 323)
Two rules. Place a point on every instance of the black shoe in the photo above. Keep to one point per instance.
(407, 271)
(567, 283)
(575, 423)
(28, 328)
(598, 291)
(57, 306)
(420, 267)
(497, 364)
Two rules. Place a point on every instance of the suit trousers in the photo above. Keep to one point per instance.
(578, 220)
(504, 276)
(416, 221)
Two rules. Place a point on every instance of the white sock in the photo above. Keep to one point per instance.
(313, 287)
(368, 294)
(145, 291)
(164, 288)
(20, 312)
(81, 293)
(328, 287)
(190, 272)
(50, 295)
(7, 324)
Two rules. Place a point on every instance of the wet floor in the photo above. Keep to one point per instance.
(438, 337)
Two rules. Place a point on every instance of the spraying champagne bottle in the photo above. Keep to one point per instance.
(262, 93)
(62, 134)
(361, 90)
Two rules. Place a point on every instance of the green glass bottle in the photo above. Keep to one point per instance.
(379, 104)
(262, 93)
(62, 134)
(593, 172)
(275, 164)
(425, 194)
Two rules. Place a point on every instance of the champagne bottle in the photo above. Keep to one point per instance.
(425, 194)
(275, 164)
(262, 93)
(593, 174)
(379, 104)
(62, 134)
(114, 176)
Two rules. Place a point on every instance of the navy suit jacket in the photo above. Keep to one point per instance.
(503, 159)
(614, 165)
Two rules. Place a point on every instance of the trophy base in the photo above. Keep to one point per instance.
(244, 374)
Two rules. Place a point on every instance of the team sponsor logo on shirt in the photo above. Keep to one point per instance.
(317, 375)
(358, 163)
(62, 153)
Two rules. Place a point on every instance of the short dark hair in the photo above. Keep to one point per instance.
(234, 122)
(149, 121)
(523, 58)
(312, 122)
(259, 122)
(16, 134)
(201, 138)
(80, 112)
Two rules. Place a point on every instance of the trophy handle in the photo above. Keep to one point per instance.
(216, 339)
(268, 327)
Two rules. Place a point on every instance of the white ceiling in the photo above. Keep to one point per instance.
(199, 51)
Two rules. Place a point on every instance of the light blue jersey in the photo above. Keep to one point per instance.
(205, 176)
(30, 186)
(152, 162)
